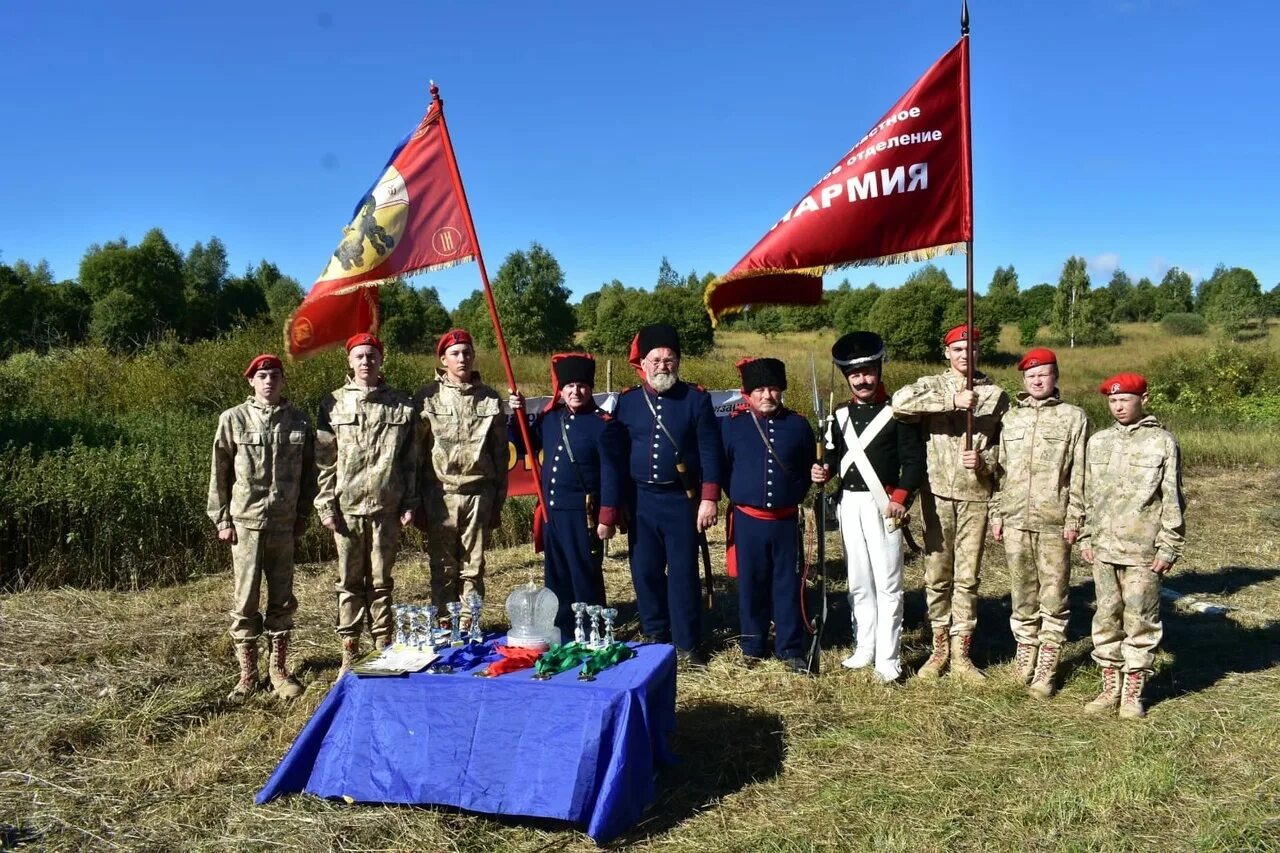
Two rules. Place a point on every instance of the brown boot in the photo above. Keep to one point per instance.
(1024, 662)
(282, 681)
(1043, 684)
(247, 656)
(1109, 698)
(1131, 707)
(350, 654)
(936, 665)
(962, 666)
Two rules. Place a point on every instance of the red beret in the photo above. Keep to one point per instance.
(1124, 383)
(453, 337)
(266, 361)
(961, 333)
(1037, 357)
(364, 339)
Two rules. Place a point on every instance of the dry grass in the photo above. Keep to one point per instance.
(115, 733)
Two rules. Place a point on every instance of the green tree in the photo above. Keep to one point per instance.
(1037, 303)
(667, 275)
(613, 326)
(852, 307)
(1271, 303)
(1078, 317)
(411, 320)
(204, 271)
(1142, 304)
(910, 318)
(533, 302)
(151, 273)
(585, 312)
(1174, 294)
(1230, 297)
(1002, 295)
(122, 321)
(1119, 293)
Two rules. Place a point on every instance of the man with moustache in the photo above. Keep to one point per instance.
(769, 451)
(367, 456)
(1037, 511)
(954, 501)
(581, 469)
(674, 459)
(464, 470)
(881, 464)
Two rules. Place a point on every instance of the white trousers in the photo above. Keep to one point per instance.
(874, 558)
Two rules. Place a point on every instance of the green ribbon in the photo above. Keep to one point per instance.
(593, 661)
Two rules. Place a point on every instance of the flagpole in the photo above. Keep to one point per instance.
(968, 254)
(488, 291)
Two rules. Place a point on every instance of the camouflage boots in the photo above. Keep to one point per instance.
(1024, 662)
(1109, 698)
(1131, 706)
(962, 666)
(1043, 684)
(282, 681)
(936, 665)
(247, 656)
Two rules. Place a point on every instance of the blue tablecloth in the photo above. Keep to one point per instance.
(578, 751)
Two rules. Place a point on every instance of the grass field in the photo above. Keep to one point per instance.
(115, 733)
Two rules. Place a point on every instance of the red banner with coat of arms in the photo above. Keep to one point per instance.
(412, 220)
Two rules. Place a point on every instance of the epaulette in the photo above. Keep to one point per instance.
(700, 388)
(628, 390)
(605, 416)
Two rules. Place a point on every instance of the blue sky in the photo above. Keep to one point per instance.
(1138, 133)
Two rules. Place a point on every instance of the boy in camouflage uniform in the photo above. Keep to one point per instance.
(463, 428)
(1037, 511)
(367, 455)
(954, 500)
(261, 482)
(1133, 533)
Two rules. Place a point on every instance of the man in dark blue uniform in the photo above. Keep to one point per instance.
(581, 470)
(674, 459)
(769, 453)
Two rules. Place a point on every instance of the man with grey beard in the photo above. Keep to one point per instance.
(675, 462)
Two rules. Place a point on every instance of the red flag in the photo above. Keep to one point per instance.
(412, 220)
(902, 193)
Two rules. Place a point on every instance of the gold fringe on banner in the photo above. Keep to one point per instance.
(913, 256)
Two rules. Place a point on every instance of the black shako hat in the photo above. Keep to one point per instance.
(573, 367)
(857, 349)
(761, 373)
(657, 335)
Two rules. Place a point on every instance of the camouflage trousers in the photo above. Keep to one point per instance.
(1039, 580)
(366, 553)
(954, 535)
(258, 554)
(1126, 626)
(457, 534)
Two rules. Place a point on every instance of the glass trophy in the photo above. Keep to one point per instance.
(455, 628)
(609, 614)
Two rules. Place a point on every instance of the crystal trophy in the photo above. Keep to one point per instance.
(593, 611)
(455, 627)
(397, 617)
(432, 610)
(609, 614)
(579, 622)
(476, 633)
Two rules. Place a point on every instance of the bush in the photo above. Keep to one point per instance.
(1232, 380)
(1028, 331)
(1183, 325)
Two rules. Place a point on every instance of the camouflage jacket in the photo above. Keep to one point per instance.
(1133, 495)
(263, 471)
(930, 401)
(464, 437)
(1040, 470)
(366, 452)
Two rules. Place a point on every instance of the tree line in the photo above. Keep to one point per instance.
(129, 296)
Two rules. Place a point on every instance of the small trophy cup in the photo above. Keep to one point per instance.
(397, 617)
(579, 624)
(593, 611)
(609, 614)
(432, 610)
(475, 634)
(455, 627)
